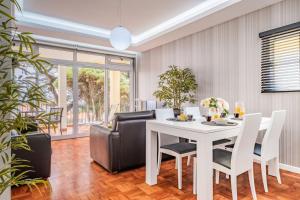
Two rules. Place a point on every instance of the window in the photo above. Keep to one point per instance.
(120, 60)
(46, 52)
(89, 86)
(280, 55)
(90, 58)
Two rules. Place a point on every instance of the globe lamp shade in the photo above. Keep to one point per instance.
(120, 38)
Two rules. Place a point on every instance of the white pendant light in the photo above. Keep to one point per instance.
(120, 37)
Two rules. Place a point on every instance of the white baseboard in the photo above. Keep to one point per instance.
(290, 168)
(286, 167)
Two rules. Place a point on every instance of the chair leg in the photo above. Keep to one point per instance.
(278, 170)
(195, 176)
(159, 162)
(49, 128)
(179, 169)
(252, 185)
(60, 128)
(263, 165)
(217, 177)
(234, 187)
(176, 163)
(188, 160)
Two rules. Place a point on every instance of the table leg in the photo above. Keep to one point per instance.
(204, 170)
(151, 157)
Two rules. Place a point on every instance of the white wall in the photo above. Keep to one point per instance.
(226, 62)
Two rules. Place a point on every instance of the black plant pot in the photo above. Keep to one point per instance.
(177, 112)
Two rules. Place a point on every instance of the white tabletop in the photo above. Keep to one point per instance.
(196, 126)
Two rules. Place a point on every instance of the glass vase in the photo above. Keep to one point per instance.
(214, 113)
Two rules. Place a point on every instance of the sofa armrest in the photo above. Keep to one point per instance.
(104, 147)
(39, 157)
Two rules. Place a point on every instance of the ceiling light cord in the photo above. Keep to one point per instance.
(120, 12)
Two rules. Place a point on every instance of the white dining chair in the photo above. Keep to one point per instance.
(195, 111)
(240, 160)
(268, 150)
(171, 145)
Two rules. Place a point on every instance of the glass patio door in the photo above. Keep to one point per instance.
(119, 95)
(90, 98)
(60, 94)
(89, 86)
(120, 86)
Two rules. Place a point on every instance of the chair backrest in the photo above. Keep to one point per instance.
(164, 139)
(242, 154)
(113, 109)
(195, 111)
(270, 143)
(55, 114)
(151, 105)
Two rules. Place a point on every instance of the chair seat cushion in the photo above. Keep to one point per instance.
(222, 157)
(257, 148)
(180, 148)
(218, 142)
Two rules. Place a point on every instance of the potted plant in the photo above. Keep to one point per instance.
(176, 86)
(15, 92)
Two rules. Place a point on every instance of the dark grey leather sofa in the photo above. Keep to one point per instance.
(124, 145)
(39, 157)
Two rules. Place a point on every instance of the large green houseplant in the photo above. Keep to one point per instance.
(176, 86)
(17, 91)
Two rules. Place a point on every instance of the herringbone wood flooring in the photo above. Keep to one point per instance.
(76, 177)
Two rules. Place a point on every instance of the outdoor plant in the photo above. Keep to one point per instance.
(176, 86)
(17, 91)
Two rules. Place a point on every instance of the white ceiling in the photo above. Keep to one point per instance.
(152, 22)
(137, 15)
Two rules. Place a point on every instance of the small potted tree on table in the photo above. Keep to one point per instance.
(176, 86)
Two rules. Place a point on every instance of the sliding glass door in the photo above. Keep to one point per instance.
(59, 90)
(120, 85)
(89, 87)
(90, 98)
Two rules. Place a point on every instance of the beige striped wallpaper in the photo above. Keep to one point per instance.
(226, 62)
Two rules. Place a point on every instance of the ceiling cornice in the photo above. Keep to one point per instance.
(203, 9)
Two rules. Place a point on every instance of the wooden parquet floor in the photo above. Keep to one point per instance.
(76, 177)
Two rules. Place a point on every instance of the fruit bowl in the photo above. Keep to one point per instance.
(221, 121)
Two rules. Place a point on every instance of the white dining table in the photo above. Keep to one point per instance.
(204, 135)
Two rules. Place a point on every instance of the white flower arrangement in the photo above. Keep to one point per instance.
(215, 104)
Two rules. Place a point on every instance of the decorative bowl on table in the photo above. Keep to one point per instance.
(182, 118)
(221, 121)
